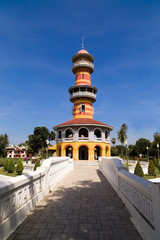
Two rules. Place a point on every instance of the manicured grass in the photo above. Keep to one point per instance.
(125, 165)
(148, 176)
(3, 172)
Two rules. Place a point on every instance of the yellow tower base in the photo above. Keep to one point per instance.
(104, 149)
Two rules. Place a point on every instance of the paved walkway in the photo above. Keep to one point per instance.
(82, 206)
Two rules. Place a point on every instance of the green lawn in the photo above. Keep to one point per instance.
(148, 176)
(3, 172)
(125, 165)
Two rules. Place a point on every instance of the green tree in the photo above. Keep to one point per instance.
(138, 169)
(113, 151)
(122, 134)
(153, 148)
(132, 150)
(142, 145)
(37, 140)
(5, 165)
(151, 168)
(37, 164)
(11, 166)
(3, 144)
(156, 137)
(119, 149)
(51, 136)
(113, 140)
(19, 168)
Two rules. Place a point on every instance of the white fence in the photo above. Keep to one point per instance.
(141, 197)
(19, 195)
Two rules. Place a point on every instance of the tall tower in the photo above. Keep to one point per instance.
(83, 137)
(83, 94)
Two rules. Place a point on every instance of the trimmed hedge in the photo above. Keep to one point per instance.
(11, 166)
(138, 170)
(151, 168)
(19, 168)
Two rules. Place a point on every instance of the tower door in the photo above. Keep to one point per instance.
(97, 152)
(83, 153)
(69, 151)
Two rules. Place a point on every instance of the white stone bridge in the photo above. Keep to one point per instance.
(60, 201)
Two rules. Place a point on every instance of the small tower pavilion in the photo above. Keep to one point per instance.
(83, 138)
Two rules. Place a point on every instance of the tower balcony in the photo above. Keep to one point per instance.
(83, 91)
(82, 63)
(86, 94)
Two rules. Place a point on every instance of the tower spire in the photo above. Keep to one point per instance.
(82, 42)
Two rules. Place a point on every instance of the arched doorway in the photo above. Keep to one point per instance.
(69, 151)
(83, 153)
(97, 152)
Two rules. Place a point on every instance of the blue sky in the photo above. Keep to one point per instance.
(37, 41)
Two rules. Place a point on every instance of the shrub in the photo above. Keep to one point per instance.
(37, 164)
(11, 166)
(5, 165)
(155, 161)
(19, 168)
(1, 163)
(138, 169)
(151, 168)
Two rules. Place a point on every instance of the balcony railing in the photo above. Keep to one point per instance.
(69, 139)
(98, 139)
(83, 138)
(83, 94)
(82, 63)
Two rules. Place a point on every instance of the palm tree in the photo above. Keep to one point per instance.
(122, 134)
(113, 140)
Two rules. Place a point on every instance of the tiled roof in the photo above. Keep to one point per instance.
(83, 121)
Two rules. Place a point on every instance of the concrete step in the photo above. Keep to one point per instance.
(86, 163)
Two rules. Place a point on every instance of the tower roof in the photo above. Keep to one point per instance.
(83, 51)
(82, 54)
(83, 122)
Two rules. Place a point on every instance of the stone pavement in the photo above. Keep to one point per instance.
(83, 205)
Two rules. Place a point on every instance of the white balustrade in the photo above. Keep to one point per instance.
(141, 197)
(18, 196)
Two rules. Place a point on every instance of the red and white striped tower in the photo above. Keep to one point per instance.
(83, 94)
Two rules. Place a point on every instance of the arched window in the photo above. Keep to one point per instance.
(97, 133)
(59, 134)
(69, 133)
(83, 133)
(106, 134)
(82, 107)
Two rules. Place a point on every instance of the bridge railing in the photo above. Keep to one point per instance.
(18, 196)
(141, 197)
